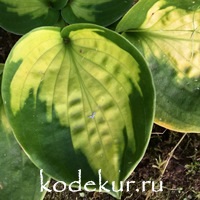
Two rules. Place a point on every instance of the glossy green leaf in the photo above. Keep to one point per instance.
(19, 178)
(21, 16)
(167, 34)
(86, 100)
(102, 12)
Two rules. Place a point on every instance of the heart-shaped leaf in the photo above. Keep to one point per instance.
(21, 16)
(167, 33)
(102, 12)
(19, 178)
(86, 101)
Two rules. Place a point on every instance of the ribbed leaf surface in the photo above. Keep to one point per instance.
(86, 101)
(167, 33)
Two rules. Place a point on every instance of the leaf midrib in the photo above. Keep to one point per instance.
(157, 34)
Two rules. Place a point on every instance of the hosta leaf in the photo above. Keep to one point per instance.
(19, 178)
(21, 16)
(167, 33)
(102, 12)
(85, 98)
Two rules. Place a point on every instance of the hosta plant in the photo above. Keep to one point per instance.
(89, 96)
(21, 16)
(82, 97)
(167, 34)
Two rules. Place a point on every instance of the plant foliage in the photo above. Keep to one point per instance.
(167, 34)
(81, 96)
(21, 16)
(88, 94)
(18, 176)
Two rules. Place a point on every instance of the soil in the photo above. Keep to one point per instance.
(7, 40)
(181, 179)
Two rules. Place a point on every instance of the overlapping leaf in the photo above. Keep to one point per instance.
(167, 33)
(86, 101)
(21, 16)
(19, 178)
(102, 12)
